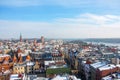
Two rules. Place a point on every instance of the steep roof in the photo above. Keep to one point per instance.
(20, 59)
(28, 58)
(14, 59)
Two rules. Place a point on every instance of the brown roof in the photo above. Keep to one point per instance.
(14, 59)
(20, 59)
(28, 58)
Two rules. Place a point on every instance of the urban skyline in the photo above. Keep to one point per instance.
(60, 19)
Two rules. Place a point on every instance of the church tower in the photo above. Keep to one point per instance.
(20, 37)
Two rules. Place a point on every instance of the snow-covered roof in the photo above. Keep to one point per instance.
(28, 51)
(41, 78)
(107, 67)
(30, 63)
(59, 78)
(47, 62)
(37, 52)
(118, 65)
(14, 77)
(4, 55)
(106, 53)
(72, 77)
(22, 54)
(7, 72)
(107, 78)
(98, 64)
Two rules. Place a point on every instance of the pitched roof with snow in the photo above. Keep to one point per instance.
(99, 64)
(107, 67)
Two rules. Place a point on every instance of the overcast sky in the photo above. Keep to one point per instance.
(60, 18)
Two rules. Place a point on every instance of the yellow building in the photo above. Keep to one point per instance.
(19, 69)
(36, 66)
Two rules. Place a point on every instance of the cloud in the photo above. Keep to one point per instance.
(82, 26)
(88, 18)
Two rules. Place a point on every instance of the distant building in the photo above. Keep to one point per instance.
(20, 38)
(42, 39)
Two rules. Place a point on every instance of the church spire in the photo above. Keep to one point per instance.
(20, 37)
